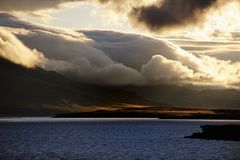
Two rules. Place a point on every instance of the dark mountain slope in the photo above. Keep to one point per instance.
(36, 92)
(33, 91)
(179, 96)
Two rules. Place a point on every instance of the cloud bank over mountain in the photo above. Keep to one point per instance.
(112, 58)
(71, 54)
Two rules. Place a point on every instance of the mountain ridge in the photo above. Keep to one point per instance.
(37, 92)
(37, 89)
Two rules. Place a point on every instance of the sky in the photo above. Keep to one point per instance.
(128, 42)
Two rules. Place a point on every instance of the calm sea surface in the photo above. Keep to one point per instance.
(110, 139)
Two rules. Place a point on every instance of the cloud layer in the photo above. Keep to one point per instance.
(71, 54)
(154, 15)
(112, 58)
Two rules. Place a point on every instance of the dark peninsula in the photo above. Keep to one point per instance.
(218, 132)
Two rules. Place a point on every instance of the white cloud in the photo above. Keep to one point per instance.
(161, 69)
(13, 49)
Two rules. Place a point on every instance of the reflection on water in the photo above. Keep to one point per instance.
(89, 139)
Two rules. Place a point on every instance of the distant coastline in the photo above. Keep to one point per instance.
(156, 112)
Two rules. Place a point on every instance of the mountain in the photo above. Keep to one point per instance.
(36, 92)
(180, 96)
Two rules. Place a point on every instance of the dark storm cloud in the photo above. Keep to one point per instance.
(171, 13)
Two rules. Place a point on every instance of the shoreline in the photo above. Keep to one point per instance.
(51, 119)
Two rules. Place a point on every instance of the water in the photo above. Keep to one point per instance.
(110, 139)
